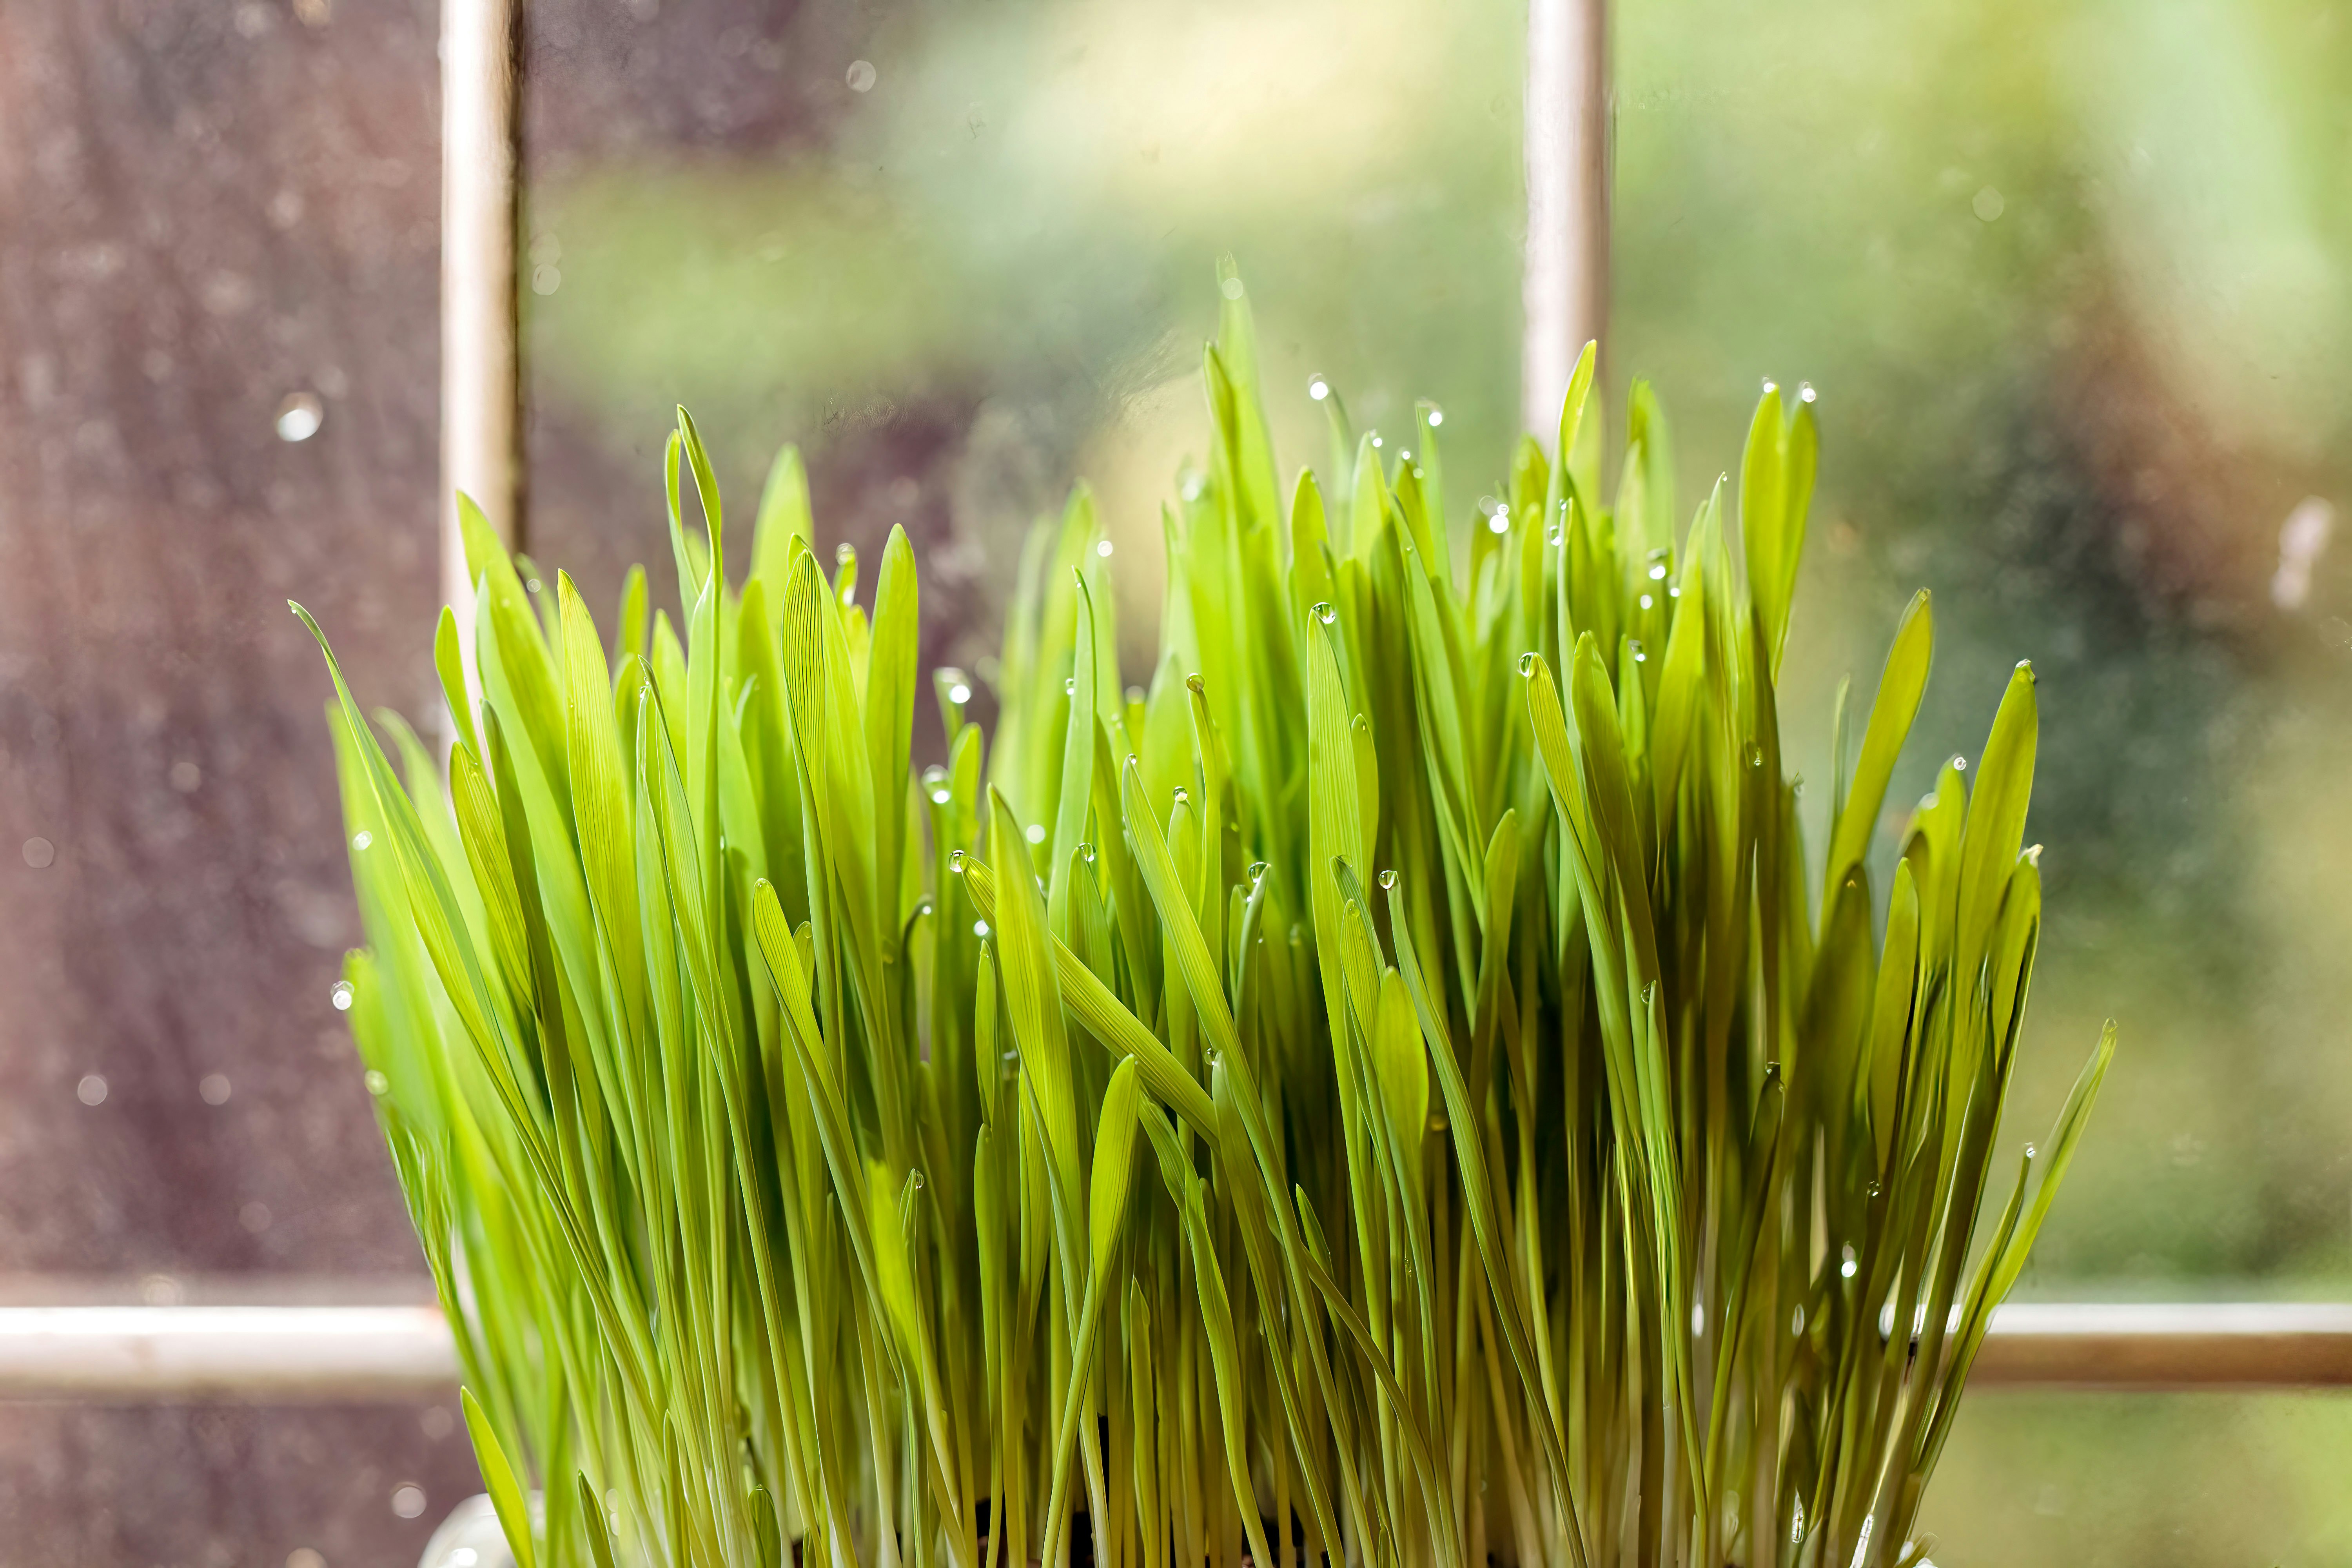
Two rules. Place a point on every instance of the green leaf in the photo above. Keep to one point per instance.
(499, 1480)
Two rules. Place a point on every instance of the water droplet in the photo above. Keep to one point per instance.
(1771, 1072)
(300, 416)
(980, 927)
(955, 863)
(1376, 443)
(1527, 664)
(1959, 765)
(1770, 386)
(1086, 853)
(1325, 611)
(1647, 601)
(1232, 288)
(531, 584)
(918, 1178)
(1034, 833)
(844, 553)
(363, 839)
(1872, 1189)
(1641, 653)
(1805, 393)
(1848, 1268)
(1258, 869)
(1436, 417)
(1103, 548)
(1797, 1326)
(91, 1089)
(1213, 1055)
(1195, 685)
(1318, 388)
(341, 995)
(959, 694)
(1184, 795)
(2029, 1151)
(377, 1084)
(1657, 571)
(1649, 993)
(861, 76)
(1698, 1319)
(1500, 523)
(1070, 686)
(1554, 534)
(1406, 460)
(1387, 878)
(1755, 756)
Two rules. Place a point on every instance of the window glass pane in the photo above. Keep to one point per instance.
(218, 259)
(964, 253)
(2071, 281)
(2116, 1480)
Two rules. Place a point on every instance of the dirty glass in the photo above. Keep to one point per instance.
(2070, 281)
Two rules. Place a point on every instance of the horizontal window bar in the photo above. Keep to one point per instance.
(295, 1353)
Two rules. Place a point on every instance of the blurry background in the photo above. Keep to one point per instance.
(2073, 281)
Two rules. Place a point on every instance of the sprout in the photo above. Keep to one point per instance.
(773, 1203)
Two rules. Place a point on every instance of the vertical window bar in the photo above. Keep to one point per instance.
(481, 360)
(1564, 287)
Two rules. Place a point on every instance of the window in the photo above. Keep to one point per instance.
(2071, 282)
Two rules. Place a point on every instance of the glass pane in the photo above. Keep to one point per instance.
(2071, 283)
(2116, 1481)
(218, 233)
(968, 254)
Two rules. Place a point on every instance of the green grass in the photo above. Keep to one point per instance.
(1389, 1092)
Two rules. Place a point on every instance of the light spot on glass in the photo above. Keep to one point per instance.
(300, 416)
